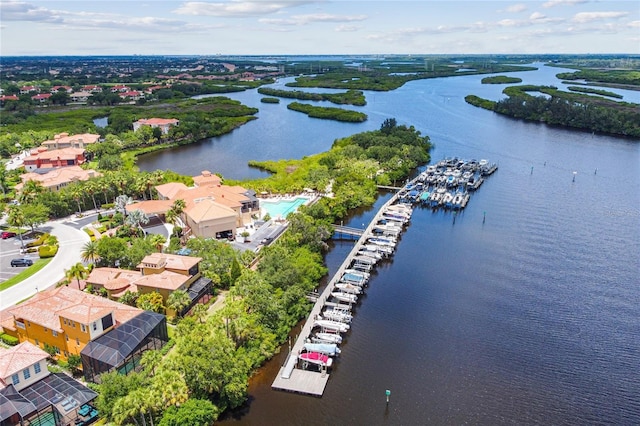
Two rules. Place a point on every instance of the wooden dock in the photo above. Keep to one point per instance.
(312, 382)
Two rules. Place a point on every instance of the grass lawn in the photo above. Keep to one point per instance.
(39, 264)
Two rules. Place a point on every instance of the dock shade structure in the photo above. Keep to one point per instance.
(121, 348)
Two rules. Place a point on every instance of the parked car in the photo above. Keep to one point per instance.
(21, 262)
(7, 234)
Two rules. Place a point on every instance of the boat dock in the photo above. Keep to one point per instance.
(306, 369)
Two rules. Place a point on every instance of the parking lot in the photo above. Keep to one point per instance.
(10, 249)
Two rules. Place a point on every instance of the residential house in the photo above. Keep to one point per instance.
(55, 179)
(163, 124)
(55, 158)
(212, 209)
(158, 272)
(63, 140)
(31, 395)
(66, 319)
(120, 88)
(56, 89)
(92, 89)
(4, 98)
(133, 95)
(82, 96)
(29, 89)
(41, 97)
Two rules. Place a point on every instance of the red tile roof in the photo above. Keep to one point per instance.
(18, 358)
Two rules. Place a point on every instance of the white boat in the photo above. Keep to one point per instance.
(332, 325)
(330, 349)
(363, 258)
(344, 297)
(357, 272)
(383, 248)
(327, 337)
(383, 241)
(349, 288)
(339, 315)
(404, 208)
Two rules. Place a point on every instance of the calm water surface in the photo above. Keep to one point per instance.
(529, 316)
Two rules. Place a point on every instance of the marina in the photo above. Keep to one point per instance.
(306, 368)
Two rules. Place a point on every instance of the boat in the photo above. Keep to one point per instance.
(357, 272)
(344, 297)
(331, 325)
(327, 337)
(316, 358)
(363, 258)
(330, 349)
(340, 315)
(349, 288)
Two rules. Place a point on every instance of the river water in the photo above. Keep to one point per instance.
(522, 309)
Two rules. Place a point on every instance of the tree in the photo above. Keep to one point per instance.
(178, 300)
(129, 298)
(30, 190)
(194, 412)
(16, 218)
(77, 271)
(114, 386)
(388, 126)
(90, 252)
(158, 240)
(35, 214)
(74, 361)
(121, 203)
(111, 251)
(137, 218)
(151, 302)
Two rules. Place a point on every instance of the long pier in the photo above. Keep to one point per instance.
(437, 179)
(292, 379)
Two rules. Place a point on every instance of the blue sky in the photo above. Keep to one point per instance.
(289, 27)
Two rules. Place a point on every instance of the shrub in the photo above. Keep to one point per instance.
(47, 251)
(107, 206)
(9, 340)
(41, 239)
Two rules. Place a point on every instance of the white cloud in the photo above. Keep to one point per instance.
(583, 17)
(515, 8)
(236, 8)
(634, 24)
(346, 28)
(312, 18)
(553, 3)
(509, 23)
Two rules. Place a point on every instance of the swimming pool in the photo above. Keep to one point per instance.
(281, 208)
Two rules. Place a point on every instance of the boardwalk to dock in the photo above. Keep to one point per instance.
(292, 379)
(445, 179)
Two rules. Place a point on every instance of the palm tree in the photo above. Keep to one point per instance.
(30, 191)
(137, 218)
(176, 210)
(158, 241)
(77, 271)
(16, 218)
(77, 194)
(91, 187)
(121, 203)
(199, 312)
(178, 300)
(90, 252)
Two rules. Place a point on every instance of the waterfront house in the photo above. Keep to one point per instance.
(41, 158)
(212, 209)
(163, 124)
(82, 96)
(158, 272)
(56, 89)
(29, 89)
(55, 179)
(63, 140)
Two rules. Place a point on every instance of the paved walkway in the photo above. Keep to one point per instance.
(70, 242)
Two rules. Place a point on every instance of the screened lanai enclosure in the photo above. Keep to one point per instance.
(121, 348)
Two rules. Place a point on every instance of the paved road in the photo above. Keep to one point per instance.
(71, 241)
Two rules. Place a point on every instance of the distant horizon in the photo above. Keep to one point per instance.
(283, 55)
(317, 27)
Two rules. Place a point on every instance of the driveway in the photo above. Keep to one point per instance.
(70, 242)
